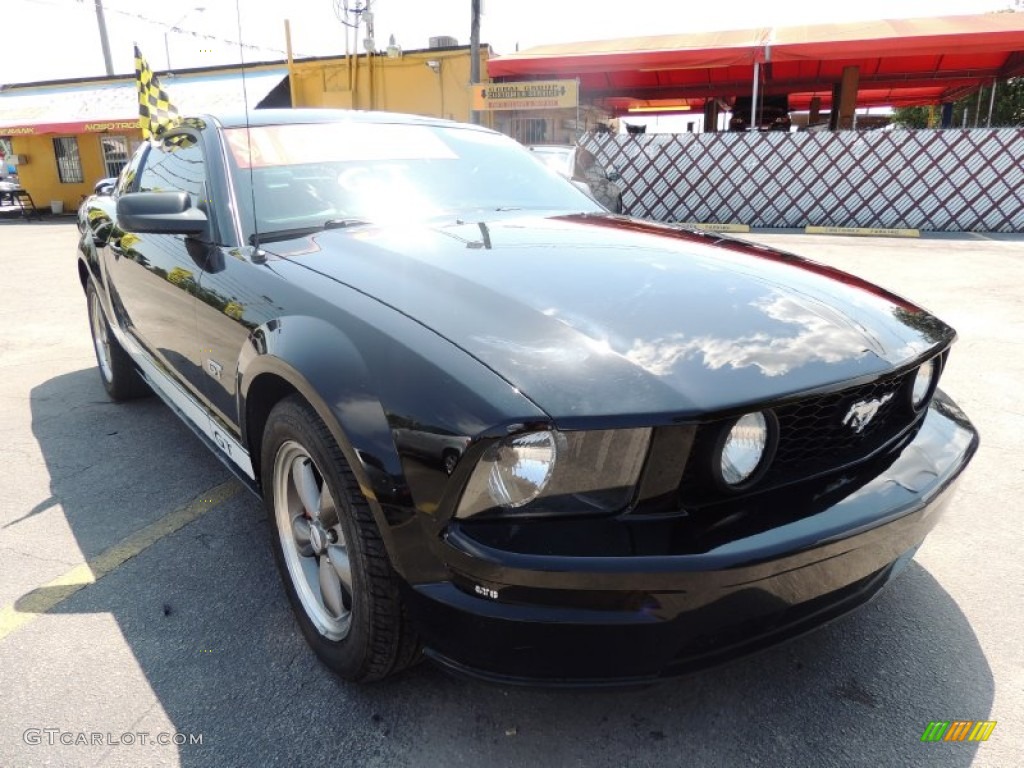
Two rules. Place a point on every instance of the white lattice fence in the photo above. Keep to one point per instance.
(952, 180)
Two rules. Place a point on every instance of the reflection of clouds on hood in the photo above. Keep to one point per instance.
(660, 356)
(823, 336)
(549, 354)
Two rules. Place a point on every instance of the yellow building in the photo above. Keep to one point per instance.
(435, 82)
(432, 81)
(62, 137)
(59, 169)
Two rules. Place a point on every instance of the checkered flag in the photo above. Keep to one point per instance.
(156, 113)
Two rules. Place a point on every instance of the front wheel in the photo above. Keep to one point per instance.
(336, 570)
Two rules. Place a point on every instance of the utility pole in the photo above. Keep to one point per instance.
(104, 40)
(474, 52)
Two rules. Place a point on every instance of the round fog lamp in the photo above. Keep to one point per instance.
(923, 384)
(744, 448)
(520, 468)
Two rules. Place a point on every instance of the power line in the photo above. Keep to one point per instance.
(200, 35)
(165, 25)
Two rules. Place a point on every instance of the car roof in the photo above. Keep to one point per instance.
(264, 117)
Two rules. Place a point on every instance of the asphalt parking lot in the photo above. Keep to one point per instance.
(138, 597)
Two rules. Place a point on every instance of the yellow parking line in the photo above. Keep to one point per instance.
(50, 595)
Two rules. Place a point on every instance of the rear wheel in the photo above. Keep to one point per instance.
(336, 570)
(119, 376)
(450, 459)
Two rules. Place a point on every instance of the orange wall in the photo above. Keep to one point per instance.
(408, 84)
(39, 173)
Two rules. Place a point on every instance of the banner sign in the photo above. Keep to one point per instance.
(76, 127)
(533, 94)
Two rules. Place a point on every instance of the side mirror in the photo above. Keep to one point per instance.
(159, 213)
(104, 187)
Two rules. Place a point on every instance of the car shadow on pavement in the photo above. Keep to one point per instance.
(208, 646)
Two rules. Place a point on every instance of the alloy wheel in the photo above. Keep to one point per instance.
(313, 541)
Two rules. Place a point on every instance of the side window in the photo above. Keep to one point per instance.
(176, 164)
(126, 179)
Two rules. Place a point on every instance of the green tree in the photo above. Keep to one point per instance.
(1007, 110)
(912, 117)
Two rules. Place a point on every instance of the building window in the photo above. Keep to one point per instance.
(5, 156)
(69, 164)
(532, 130)
(117, 151)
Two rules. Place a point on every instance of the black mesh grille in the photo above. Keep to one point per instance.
(821, 433)
(816, 435)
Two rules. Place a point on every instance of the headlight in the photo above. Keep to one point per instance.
(924, 382)
(744, 449)
(520, 468)
(557, 473)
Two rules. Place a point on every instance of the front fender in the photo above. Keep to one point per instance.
(294, 349)
(374, 382)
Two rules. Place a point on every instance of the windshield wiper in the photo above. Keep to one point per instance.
(349, 221)
(288, 234)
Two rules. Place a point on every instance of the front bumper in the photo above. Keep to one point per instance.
(516, 614)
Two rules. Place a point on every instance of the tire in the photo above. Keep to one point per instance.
(336, 570)
(117, 372)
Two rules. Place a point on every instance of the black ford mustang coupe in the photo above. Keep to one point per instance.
(497, 425)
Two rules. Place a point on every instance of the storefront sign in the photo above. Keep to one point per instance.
(117, 125)
(76, 127)
(536, 94)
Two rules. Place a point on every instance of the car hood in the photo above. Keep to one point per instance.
(597, 315)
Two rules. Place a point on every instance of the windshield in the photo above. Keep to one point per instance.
(307, 175)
